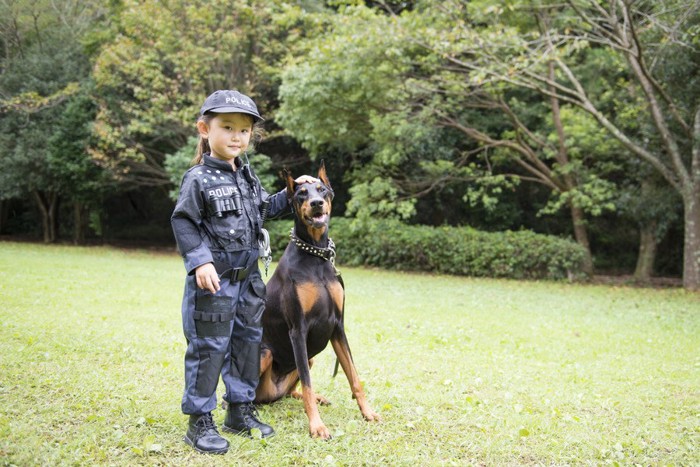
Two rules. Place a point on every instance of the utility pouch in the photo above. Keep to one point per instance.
(218, 206)
(213, 315)
(251, 313)
(258, 286)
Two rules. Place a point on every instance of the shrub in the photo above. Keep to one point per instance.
(451, 250)
(279, 235)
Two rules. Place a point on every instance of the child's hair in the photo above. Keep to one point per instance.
(203, 143)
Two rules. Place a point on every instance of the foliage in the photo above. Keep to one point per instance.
(429, 127)
(279, 235)
(165, 58)
(364, 108)
(379, 198)
(361, 85)
(465, 63)
(457, 250)
(46, 113)
(429, 112)
(177, 164)
(263, 168)
(651, 201)
(81, 179)
(639, 36)
(39, 85)
(449, 250)
(463, 371)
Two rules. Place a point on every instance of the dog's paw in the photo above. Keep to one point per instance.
(319, 398)
(322, 400)
(320, 431)
(371, 416)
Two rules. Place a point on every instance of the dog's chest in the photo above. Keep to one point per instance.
(321, 305)
(320, 299)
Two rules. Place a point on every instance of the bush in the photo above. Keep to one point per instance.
(451, 250)
(279, 235)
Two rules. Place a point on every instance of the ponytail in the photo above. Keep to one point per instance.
(202, 148)
(258, 134)
(202, 143)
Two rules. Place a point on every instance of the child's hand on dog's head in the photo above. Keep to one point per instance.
(305, 179)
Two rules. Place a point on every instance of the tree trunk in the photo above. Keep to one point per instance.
(581, 235)
(48, 204)
(647, 252)
(79, 223)
(691, 210)
(691, 243)
(562, 156)
(4, 214)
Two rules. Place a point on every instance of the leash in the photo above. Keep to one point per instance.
(326, 253)
(264, 250)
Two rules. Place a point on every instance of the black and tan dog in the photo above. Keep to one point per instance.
(305, 308)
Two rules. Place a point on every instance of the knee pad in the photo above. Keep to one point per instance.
(245, 360)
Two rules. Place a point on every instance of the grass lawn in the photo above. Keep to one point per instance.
(463, 371)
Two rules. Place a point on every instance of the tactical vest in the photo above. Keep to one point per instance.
(231, 200)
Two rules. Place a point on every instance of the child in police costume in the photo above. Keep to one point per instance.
(217, 224)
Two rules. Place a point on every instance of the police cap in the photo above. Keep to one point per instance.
(229, 101)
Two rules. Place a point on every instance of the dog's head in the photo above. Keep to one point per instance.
(311, 202)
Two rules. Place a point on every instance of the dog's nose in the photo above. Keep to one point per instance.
(316, 203)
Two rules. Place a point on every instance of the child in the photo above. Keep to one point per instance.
(217, 222)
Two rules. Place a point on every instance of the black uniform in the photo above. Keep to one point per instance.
(217, 220)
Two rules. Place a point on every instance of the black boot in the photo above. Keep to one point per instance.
(203, 436)
(241, 418)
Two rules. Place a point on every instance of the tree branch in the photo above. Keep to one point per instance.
(531, 163)
(639, 58)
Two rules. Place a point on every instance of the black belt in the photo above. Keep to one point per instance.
(233, 274)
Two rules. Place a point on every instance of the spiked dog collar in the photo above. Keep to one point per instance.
(326, 253)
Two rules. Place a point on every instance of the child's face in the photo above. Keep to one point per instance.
(228, 135)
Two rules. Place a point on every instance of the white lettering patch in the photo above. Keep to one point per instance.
(220, 192)
(243, 102)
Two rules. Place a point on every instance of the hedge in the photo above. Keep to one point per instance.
(451, 250)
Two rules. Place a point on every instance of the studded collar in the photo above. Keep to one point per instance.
(327, 253)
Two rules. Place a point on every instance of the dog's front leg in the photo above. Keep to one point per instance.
(342, 351)
(317, 428)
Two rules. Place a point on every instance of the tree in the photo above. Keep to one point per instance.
(43, 69)
(396, 98)
(166, 57)
(657, 41)
(653, 205)
(624, 64)
(78, 177)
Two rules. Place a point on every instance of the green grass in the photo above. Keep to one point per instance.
(463, 371)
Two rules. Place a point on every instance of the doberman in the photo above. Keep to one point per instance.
(305, 308)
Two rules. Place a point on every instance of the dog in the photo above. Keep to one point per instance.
(305, 308)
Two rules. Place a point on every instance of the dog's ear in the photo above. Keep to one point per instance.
(322, 175)
(289, 180)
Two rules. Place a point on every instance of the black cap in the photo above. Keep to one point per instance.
(227, 101)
